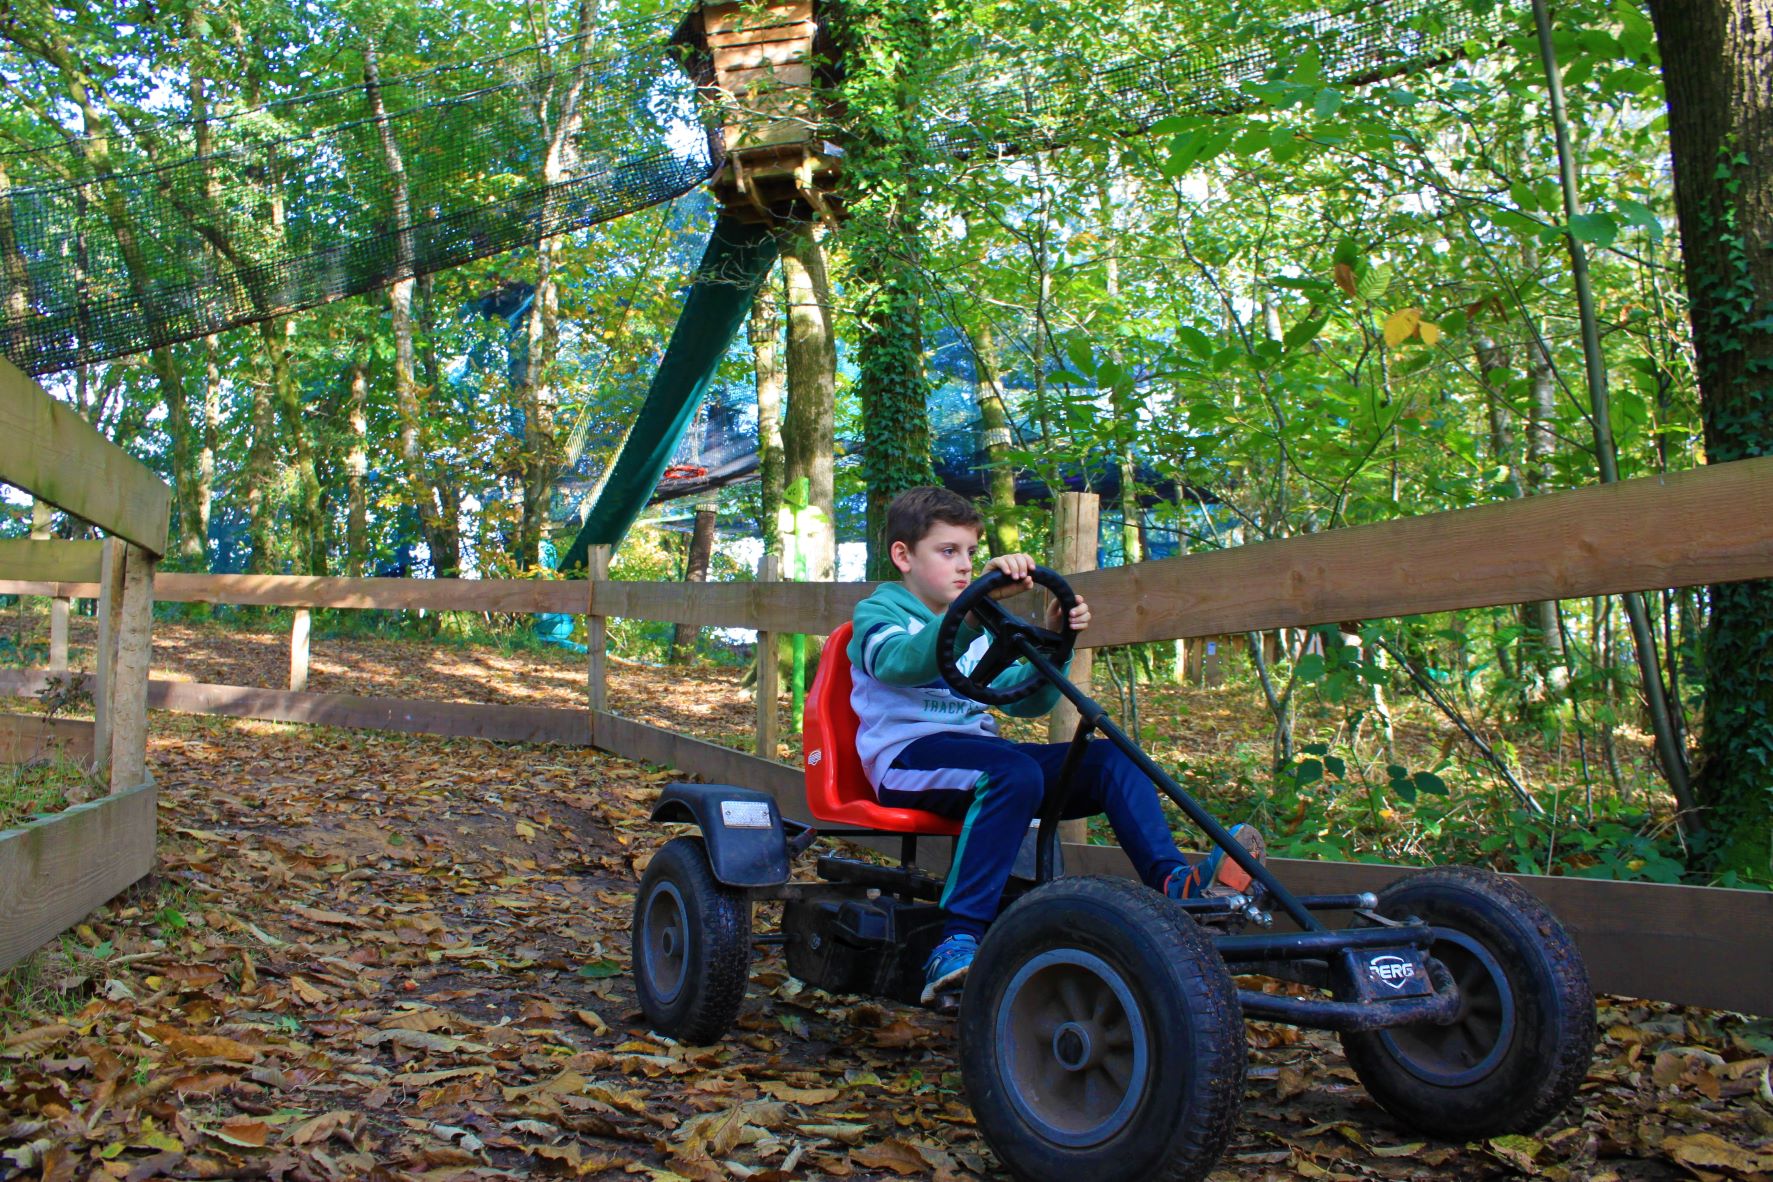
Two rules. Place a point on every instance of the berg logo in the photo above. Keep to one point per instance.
(1391, 970)
(814, 756)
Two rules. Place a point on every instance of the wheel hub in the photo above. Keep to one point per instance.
(1075, 1046)
(664, 942)
(1472, 1044)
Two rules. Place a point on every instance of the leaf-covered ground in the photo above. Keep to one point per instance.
(405, 957)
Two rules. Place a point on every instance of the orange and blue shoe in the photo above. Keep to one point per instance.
(1216, 874)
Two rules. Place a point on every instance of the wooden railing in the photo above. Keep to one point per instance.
(1711, 525)
(55, 870)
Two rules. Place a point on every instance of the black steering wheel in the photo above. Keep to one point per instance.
(1003, 627)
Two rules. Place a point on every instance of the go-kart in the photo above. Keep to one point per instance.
(1101, 1029)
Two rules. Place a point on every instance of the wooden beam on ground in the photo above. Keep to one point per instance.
(465, 720)
(47, 449)
(1708, 525)
(52, 561)
(1702, 946)
(25, 737)
(56, 871)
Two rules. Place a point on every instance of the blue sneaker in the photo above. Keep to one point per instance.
(946, 969)
(1216, 874)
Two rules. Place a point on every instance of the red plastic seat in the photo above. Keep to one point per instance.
(837, 790)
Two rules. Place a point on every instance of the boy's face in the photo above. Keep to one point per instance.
(938, 568)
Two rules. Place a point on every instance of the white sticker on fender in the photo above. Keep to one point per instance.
(744, 814)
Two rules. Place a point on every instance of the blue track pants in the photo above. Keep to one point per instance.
(999, 788)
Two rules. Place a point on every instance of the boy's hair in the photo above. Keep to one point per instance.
(914, 511)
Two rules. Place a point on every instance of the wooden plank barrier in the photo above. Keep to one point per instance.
(48, 450)
(55, 871)
(55, 561)
(24, 737)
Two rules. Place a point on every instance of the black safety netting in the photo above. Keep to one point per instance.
(152, 243)
(1013, 97)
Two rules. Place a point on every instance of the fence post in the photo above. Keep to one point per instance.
(58, 634)
(1076, 520)
(768, 672)
(129, 672)
(298, 650)
(112, 564)
(596, 637)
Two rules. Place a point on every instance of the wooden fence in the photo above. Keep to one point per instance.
(55, 870)
(1697, 945)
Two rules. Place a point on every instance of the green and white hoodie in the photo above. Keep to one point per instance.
(898, 694)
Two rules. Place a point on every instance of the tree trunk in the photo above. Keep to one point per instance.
(357, 473)
(1546, 646)
(766, 351)
(558, 114)
(260, 478)
(809, 431)
(1717, 68)
(701, 552)
(1002, 533)
(409, 399)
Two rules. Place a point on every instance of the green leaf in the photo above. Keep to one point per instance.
(1327, 103)
(1598, 229)
(1305, 331)
(600, 968)
(1310, 667)
(1335, 765)
(1641, 215)
(1374, 283)
(1429, 782)
(1197, 341)
(1308, 771)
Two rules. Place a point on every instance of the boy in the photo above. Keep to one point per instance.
(926, 747)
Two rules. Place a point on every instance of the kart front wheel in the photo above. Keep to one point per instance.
(1524, 1035)
(691, 946)
(1101, 1037)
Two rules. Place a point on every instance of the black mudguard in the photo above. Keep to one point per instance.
(741, 828)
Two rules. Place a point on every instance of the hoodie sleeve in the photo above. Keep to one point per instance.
(885, 647)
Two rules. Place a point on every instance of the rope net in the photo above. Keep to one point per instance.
(1015, 98)
(108, 249)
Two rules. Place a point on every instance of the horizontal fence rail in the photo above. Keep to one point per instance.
(49, 450)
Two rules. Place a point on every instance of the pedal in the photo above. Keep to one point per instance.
(947, 1004)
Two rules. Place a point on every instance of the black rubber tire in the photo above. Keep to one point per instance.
(691, 945)
(1151, 1081)
(1526, 1032)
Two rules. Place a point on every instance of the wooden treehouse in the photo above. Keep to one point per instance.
(765, 69)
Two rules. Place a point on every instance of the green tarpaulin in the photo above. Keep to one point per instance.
(735, 265)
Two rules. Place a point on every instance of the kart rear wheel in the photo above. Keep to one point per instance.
(1524, 1035)
(1101, 1037)
(691, 946)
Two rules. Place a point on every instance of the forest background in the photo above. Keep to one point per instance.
(1333, 305)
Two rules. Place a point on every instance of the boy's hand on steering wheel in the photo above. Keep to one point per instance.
(1080, 616)
(1019, 567)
